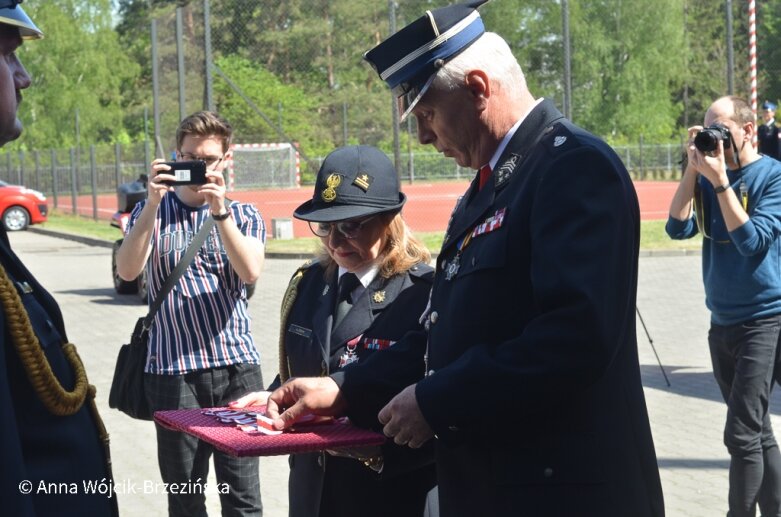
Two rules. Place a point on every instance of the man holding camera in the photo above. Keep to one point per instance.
(732, 196)
(201, 352)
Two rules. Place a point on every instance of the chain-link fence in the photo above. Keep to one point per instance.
(85, 181)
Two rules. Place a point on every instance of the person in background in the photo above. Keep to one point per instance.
(51, 434)
(366, 289)
(731, 195)
(532, 392)
(767, 133)
(201, 351)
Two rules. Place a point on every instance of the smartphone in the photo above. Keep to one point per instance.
(187, 173)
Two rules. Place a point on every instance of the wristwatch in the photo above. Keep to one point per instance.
(221, 217)
(722, 188)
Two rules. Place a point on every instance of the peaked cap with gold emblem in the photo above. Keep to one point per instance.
(353, 182)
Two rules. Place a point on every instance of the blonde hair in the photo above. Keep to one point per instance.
(400, 251)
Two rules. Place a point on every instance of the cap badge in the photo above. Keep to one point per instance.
(559, 140)
(333, 181)
(378, 296)
(363, 181)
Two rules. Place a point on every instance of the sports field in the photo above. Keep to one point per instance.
(427, 210)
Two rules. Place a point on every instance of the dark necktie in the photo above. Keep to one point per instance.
(485, 173)
(347, 285)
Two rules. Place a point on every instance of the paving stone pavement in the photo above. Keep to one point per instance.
(686, 418)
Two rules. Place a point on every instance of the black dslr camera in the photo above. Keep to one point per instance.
(707, 140)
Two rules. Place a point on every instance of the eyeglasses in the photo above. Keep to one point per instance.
(211, 161)
(350, 229)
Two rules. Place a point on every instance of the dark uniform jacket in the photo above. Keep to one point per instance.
(767, 138)
(57, 455)
(534, 388)
(325, 485)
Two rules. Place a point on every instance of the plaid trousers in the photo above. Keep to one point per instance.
(184, 459)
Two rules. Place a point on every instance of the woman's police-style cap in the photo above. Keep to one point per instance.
(409, 59)
(353, 182)
(11, 13)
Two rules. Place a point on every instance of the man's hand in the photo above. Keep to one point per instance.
(304, 396)
(403, 420)
(214, 191)
(711, 165)
(255, 398)
(156, 185)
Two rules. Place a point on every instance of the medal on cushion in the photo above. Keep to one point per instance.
(349, 356)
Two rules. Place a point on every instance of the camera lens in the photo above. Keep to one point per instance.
(707, 140)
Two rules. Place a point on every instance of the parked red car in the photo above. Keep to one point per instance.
(21, 206)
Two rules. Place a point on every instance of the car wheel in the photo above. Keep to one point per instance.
(16, 218)
(143, 287)
(120, 286)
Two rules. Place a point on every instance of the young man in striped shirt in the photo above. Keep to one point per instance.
(201, 351)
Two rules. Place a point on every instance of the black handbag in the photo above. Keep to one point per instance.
(127, 388)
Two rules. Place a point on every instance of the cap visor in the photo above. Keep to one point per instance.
(406, 107)
(333, 213)
(18, 18)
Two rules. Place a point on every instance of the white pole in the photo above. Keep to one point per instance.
(752, 52)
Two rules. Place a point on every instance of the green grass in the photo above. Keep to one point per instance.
(652, 236)
(59, 221)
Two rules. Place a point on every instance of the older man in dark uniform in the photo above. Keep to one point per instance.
(54, 446)
(532, 390)
(767, 133)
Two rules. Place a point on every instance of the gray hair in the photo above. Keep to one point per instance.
(489, 53)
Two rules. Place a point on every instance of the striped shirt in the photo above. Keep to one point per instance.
(204, 322)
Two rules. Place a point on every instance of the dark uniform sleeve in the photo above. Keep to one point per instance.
(13, 467)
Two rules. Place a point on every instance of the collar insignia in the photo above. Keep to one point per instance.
(378, 296)
(506, 170)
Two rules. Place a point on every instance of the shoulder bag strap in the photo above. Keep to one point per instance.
(177, 273)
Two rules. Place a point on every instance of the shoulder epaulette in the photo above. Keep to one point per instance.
(423, 271)
(306, 265)
(559, 138)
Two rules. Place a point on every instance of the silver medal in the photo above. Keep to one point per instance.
(452, 269)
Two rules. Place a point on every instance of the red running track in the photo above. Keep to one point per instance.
(427, 210)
